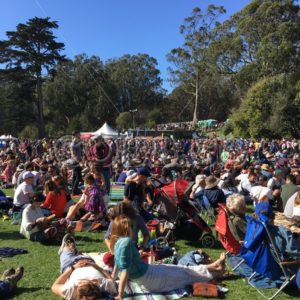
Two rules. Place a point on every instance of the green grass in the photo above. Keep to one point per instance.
(42, 264)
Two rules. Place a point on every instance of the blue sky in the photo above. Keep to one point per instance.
(112, 28)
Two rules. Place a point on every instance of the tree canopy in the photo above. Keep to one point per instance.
(244, 68)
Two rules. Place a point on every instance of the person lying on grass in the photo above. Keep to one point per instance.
(154, 278)
(81, 278)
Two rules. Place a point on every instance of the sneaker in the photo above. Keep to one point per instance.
(14, 278)
(8, 273)
(68, 241)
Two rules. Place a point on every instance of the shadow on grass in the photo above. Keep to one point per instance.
(10, 235)
(291, 290)
(197, 244)
(21, 290)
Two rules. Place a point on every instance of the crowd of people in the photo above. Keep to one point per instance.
(47, 175)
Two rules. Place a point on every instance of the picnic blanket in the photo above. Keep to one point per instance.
(88, 226)
(9, 252)
(293, 224)
(135, 292)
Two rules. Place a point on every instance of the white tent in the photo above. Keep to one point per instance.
(7, 137)
(107, 132)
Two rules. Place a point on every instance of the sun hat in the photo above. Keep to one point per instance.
(27, 175)
(200, 178)
(211, 181)
(266, 167)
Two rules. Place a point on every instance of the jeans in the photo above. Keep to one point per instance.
(69, 258)
(106, 176)
(192, 258)
(39, 236)
(76, 180)
(5, 289)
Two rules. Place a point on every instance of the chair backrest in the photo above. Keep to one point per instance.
(226, 237)
(117, 191)
(256, 250)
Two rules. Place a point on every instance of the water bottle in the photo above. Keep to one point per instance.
(151, 257)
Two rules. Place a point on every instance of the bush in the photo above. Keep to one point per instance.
(30, 131)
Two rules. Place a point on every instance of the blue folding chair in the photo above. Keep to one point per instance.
(260, 253)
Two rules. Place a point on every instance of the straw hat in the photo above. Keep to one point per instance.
(266, 167)
(211, 182)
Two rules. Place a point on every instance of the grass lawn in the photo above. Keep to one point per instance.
(42, 264)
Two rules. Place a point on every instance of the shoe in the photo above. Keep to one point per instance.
(8, 273)
(68, 241)
(6, 218)
(14, 278)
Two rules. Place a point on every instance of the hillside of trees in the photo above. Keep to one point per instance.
(245, 68)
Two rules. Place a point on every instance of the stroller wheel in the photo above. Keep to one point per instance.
(162, 242)
(207, 240)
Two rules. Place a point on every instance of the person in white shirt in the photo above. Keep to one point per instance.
(290, 205)
(24, 191)
(247, 184)
(261, 193)
(81, 278)
(34, 225)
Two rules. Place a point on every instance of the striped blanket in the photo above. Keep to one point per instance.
(135, 292)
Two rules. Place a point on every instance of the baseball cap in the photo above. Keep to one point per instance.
(144, 172)
(27, 174)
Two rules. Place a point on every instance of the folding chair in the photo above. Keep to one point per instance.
(116, 193)
(261, 254)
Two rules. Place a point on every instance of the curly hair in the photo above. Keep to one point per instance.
(88, 291)
(236, 203)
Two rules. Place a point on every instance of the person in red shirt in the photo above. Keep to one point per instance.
(55, 199)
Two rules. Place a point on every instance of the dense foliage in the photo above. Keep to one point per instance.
(244, 68)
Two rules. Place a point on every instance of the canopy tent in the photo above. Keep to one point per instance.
(207, 123)
(7, 137)
(106, 131)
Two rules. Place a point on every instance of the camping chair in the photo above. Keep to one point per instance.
(227, 234)
(260, 252)
(116, 193)
(226, 230)
(206, 211)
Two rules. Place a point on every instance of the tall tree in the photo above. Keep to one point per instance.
(34, 48)
(137, 82)
(192, 67)
(79, 96)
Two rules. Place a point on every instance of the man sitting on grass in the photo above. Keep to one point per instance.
(81, 278)
(35, 226)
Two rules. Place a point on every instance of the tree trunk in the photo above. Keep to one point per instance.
(195, 119)
(40, 107)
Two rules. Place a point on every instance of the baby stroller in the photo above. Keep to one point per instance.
(171, 204)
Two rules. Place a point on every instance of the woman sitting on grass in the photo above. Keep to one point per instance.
(55, 199)
(154, 278)
(91, 202)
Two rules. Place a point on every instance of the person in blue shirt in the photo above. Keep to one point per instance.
(153, 278)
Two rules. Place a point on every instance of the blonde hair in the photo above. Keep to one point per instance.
(236, 203)
(121, 227)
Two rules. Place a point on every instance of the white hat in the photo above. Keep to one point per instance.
(27, 174)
